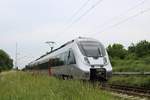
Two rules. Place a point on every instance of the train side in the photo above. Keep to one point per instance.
(82, 58)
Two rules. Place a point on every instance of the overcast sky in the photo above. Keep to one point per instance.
(30, 23)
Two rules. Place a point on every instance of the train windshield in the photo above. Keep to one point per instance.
(91, 49)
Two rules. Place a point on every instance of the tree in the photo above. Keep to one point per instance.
(132, 48)
(142, 48)
(6, 62)
(117, 51)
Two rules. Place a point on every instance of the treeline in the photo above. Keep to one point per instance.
(6, 63)
(134, 51)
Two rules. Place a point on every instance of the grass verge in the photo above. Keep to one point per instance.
(131, 65)
(141, 81)
(24, 86)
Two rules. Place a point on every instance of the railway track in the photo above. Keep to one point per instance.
(131, 73)
(134, 91)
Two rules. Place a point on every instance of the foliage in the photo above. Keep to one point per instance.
(117, 51)
(132, 48)
(141, 49)
(135, 58)
(6, 62)
(25, 86)
(134, 51)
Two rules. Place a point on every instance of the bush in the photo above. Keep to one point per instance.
(131, 56)
(142, 48)
(6, 62)
(146, 60)
(116, 51)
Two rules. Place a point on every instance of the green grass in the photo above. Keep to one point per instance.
(131, 65)
(25, 86)
(142, 81)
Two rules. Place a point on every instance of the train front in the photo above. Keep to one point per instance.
(96, 58)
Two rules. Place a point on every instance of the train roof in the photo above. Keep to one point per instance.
(69, 42)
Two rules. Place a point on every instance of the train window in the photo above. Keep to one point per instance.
(42, 65)
(55, 62)
(71, 57)
(92, 48)
(61, 59)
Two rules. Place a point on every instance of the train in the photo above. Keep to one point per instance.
(82, 58)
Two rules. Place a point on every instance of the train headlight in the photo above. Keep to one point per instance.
(86, 60)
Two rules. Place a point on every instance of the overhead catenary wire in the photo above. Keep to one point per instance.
(134, 7)
(93, 6)
(125, 20)
(123, 13)
(84, 14)
(79, 10)
(120, 15)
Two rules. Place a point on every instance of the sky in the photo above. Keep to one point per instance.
(30, 23)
